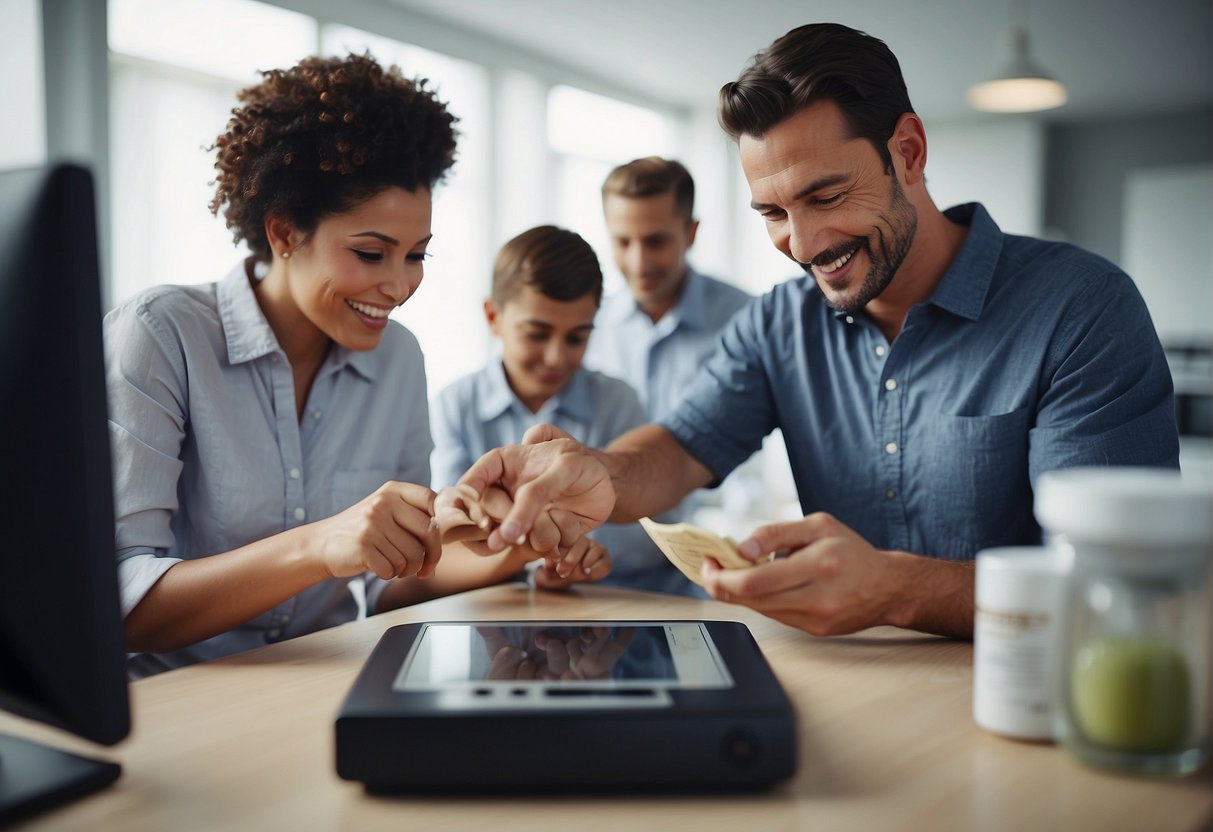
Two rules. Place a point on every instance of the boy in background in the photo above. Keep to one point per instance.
(547, 285)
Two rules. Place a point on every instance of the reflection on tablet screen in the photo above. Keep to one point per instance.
(605, 655)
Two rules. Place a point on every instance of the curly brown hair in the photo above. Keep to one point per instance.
(319, 138)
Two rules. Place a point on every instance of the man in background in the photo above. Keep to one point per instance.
(657, 334)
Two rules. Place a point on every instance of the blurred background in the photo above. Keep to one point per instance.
(553, 93)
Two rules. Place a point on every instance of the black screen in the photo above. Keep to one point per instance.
(61, 653)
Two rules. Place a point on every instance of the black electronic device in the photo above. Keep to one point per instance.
(61, 655)
(549, 706)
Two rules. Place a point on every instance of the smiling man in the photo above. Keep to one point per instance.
(925, 371)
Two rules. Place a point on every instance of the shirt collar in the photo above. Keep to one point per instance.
(248, 334)
(245, 329)
(689, 310)
(964, 286)
(498, 397)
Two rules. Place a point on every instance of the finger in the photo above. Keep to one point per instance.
(433, 550)
(599, 570)
(417, 496)
(795, 534)
(415, 535)
(486, 471)
(569, 524)
(385, 560)
(542, 433)
(802, 569)
(532, 498)
(545, 535)
(546, 577)
(458, 506)
(495, 503)
(567, 563)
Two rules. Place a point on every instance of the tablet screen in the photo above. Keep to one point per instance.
(610, 655)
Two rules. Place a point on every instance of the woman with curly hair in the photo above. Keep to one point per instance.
(270, 434)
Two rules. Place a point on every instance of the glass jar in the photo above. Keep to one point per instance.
(1134, 674)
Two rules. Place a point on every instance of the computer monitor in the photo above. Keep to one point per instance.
(61, 650)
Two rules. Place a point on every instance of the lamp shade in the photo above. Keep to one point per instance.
(1020, 86)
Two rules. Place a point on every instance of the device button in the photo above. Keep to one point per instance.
(741, 748)
(482, 691)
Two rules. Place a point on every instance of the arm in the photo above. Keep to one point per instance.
(1109, 398)
(833, 582)
(390, 533)
(554, 480)
(461, 570)
(651, 472)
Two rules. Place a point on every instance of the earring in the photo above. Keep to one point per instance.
(286, 254)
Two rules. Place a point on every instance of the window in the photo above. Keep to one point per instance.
(588, 135)
(175, 68)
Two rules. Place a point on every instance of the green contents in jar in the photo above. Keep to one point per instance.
(1131, 694)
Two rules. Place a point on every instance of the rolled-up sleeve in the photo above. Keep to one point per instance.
(145, 380)
(729, 408)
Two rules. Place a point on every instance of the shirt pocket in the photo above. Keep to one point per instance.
(976, 479)
(350, 486)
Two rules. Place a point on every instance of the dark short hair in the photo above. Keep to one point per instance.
(653, 176)
(319, 138)
(557, 262)
(820, 62)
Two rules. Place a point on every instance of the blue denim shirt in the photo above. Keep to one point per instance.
(1029, 356)
(480, 412)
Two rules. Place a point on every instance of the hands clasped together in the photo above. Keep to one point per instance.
(399, 530)
(830, 581)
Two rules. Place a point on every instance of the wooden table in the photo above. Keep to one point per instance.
(888, 742)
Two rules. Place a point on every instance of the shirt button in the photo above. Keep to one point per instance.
(890, 448)
(275, 633)
(890, 384)
(273, 359)
(890, 494)
(880, 350)
(315, 414)
(300, 513)
(850, 319)
(295, 473)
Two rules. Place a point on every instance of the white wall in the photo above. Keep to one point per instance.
(23, 139)
(1000, 164)
(1167, 247)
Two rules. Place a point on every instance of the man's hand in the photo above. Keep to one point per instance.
(558, 488)
(835, 582)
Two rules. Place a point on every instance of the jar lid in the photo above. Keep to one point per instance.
(1125, 505)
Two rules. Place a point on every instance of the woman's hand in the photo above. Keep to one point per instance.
(391, 532)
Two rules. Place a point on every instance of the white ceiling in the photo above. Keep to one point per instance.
(1118, 58)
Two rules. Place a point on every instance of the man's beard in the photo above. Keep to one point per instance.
(887, 256)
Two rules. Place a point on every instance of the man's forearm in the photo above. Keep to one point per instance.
(934, 596)
(651, 472)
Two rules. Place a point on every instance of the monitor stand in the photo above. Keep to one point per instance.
(35, 777)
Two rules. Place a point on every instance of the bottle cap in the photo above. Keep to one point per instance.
(1125, 506)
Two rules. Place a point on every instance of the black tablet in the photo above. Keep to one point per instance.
(552, 705)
